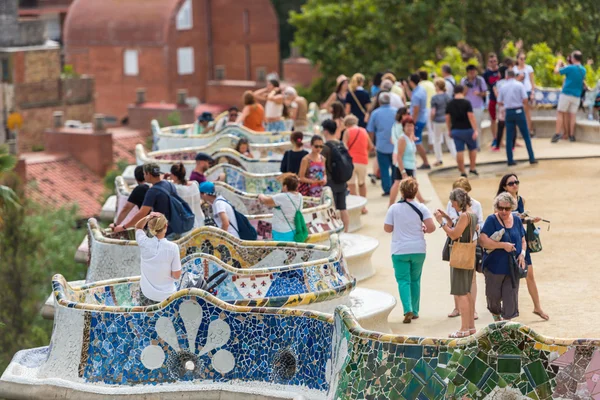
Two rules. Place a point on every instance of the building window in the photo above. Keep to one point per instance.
(219, 72)
(131, 63)
(185, 61)
(261, 74)
(246, 22)
(185, 19)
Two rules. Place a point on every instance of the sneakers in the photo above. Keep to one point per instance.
(424, 166)
(571, 138)
(474, 172)
(533, 162)
(494, 144)
(464, 175)
(510, 164)
(495, 149)
(556, 138)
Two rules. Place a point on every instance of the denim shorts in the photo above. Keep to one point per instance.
(419, 126)
(276, 126)
(463, 137)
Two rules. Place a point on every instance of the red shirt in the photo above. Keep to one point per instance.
(358, 145)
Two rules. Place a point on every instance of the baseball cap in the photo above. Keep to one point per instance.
(152, 169)
(203, 157)
(207, 187)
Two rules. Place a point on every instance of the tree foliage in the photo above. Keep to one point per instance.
(35, 243)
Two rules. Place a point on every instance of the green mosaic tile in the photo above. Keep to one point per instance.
(412, 390)
(476, 370)
(536, 373)
(509, 365)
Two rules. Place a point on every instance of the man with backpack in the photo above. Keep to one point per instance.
(162, 197)
(339, 167)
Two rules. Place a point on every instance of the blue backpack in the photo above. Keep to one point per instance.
(244, 229)
(182, 217)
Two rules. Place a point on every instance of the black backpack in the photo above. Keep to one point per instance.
(182, 217)
(341, 162)
(244, 228)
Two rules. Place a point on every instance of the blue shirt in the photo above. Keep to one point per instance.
(381, 123)
(575, 74)
(512, 94)
(497, 261)
(419, 98)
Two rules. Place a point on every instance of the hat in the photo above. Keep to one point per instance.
(341, 79)
(290, 91)
(207, 188)
(204, 157)
(152, 169)
(206, 116)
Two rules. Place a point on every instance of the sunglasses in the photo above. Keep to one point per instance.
(504, 208)
(318, 146)
(513, 183)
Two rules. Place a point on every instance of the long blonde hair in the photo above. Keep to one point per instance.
(357, 80)
(157, 225)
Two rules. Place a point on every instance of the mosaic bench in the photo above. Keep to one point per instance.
(109, 209)
(358, 250)
(355, 205)
(166, 160)
(180, 136)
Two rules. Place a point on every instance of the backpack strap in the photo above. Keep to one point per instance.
(413, 207)
(293, 228)
(233, 208)
(355, 138)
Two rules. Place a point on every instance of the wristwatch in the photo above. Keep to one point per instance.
(443, 224)
(403, 171)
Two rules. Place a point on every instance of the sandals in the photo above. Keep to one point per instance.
(455, 313)
(542, 315)
(459, 334)
(472, 331)
(408, 318)
(475, 316)
(364, 211)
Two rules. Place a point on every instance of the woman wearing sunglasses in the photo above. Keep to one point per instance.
(510, 183)
(312, 169)
(501, 235)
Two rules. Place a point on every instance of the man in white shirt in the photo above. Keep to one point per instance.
(395, 100)
(222, 211)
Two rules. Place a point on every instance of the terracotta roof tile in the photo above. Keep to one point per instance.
(124, 142)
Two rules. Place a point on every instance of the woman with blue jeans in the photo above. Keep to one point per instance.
(408, 221)
(462, 126)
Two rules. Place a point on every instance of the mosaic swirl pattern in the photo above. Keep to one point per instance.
(244, 181)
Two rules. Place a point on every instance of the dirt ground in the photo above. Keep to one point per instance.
(567, 271)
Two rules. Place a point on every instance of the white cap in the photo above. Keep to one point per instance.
(291, 91)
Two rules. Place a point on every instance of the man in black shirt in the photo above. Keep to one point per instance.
(491, 77)
(136, 198)
(462, 126)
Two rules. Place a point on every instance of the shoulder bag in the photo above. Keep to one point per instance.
(462, 255)
(516, 272)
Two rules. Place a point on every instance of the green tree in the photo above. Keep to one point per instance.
(286, 30)
(453, 57)
(7, 195)
(35, 243)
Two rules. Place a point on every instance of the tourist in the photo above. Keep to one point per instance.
(491, 75)
(439, 102)
(312, 174)
(298, 108)
(418, 112)
(396, 87)
(510, 184)
(570, 95)
(524, 73)
(376, 83)
(203, 162)
(339, 189)
(359, 145)
(337, 115)
(286, 204)
(228, 120)
(476, 92)
(429, 87)
(136, 197)
(253, 113)
(462, 125)
(188, 191)
(160, 265)
(513, 97)
(203, 126)
(222, 211)
(272, 95)
(243, 147)
(501, 285)
(155, 200)
(340, 94)
(408, 221)
(461, 280)
(449, 79)
(475, 208)
(293, 158)
(358, 99)
(404, 155)
(380, 126)
(395, 99)
(501, 113)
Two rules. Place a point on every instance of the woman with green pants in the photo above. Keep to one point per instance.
(408, 221)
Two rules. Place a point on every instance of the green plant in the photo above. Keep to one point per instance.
(453, 57)
(510, 50)
(174, 118)
(109, 179)
(69, 72)
(318, 91)
(37, 147)
(543, 61)
(7, 195)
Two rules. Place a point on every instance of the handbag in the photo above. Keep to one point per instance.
(516, 272)
(534, 243)
(446, 249)
(462, 255)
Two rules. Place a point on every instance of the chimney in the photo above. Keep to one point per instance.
(140, 95)
(181, 96)
(58, 119)
(98, 122)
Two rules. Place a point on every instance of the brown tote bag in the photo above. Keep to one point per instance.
(462, 255)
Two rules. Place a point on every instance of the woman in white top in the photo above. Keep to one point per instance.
(475, 208)
(526, 75)
(160, 263)
(274, 108)
(286, 204)
(408, 221)
(189, 192)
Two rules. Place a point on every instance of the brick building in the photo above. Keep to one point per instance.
(51, 13)
(213, 48)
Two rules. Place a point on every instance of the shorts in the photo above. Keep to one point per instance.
(276, 126)
(419, 126)
(568, 103)
(339, 198)
(360, 173)
(463, 137)
(492, 109)
(398, 175)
